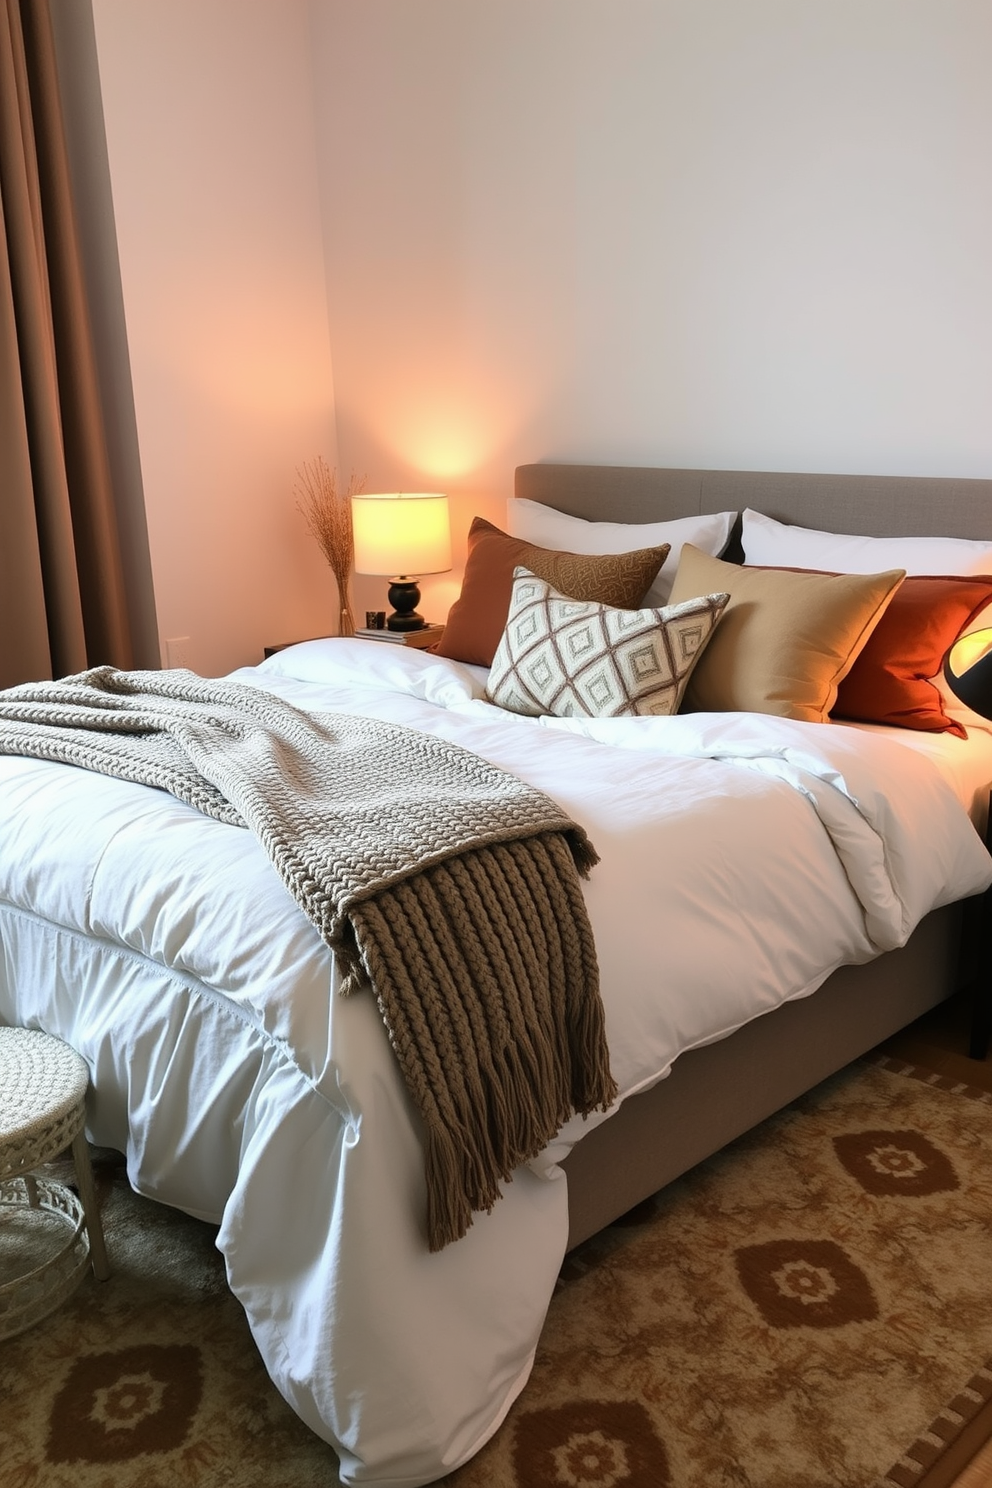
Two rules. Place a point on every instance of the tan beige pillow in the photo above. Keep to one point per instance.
(476, 620)
(785, 641)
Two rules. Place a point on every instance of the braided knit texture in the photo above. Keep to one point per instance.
(447, 884)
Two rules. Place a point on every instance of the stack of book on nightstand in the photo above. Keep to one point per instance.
(427, 635)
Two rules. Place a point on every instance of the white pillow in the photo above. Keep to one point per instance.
(549, 528)
(780, 545)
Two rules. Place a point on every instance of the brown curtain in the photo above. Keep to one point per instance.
(62, 596)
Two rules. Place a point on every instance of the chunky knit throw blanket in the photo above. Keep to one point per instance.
(448, 884)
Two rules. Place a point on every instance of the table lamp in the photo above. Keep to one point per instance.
(968, 671)
(397, 534)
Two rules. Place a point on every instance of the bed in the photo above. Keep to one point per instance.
(715, 1093)
(830, 862)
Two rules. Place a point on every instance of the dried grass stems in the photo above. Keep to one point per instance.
(327, 513)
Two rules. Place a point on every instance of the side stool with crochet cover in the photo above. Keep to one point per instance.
(48, 1238)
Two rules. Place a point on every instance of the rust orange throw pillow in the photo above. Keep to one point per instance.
(889, 682)
(476, 621)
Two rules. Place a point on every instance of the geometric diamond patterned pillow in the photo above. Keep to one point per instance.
(575, 658)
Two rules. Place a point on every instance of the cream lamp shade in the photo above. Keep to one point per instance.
(399, 534)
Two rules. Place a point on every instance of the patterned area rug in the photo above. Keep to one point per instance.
(810, 1309)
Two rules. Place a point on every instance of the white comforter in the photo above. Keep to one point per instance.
(742, 859)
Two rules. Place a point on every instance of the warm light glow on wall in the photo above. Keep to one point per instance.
(446, 435)
(401, 532)
(445, 453)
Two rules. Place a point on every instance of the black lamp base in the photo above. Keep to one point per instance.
(404, 596)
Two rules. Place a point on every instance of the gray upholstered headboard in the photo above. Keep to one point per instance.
(877, 505)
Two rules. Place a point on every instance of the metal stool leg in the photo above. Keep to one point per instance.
(87, 1194)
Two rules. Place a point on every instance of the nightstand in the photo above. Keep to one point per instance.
(268, 651)
(424, 639)
(967, 671)
(981, 989)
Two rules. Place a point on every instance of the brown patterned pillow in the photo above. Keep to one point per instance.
(583, 659)
(476, 619)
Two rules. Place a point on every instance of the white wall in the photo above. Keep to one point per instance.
(210, 137)
(703, 232)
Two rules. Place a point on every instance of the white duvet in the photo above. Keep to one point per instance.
(743, 858)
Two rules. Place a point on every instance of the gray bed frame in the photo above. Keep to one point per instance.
(716, 1093)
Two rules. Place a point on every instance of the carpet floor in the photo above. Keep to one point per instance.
(810, 1309)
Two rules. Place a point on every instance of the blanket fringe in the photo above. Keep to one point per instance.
(485, 973)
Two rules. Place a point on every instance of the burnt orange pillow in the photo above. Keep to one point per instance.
(890, 681)
(477, 618)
